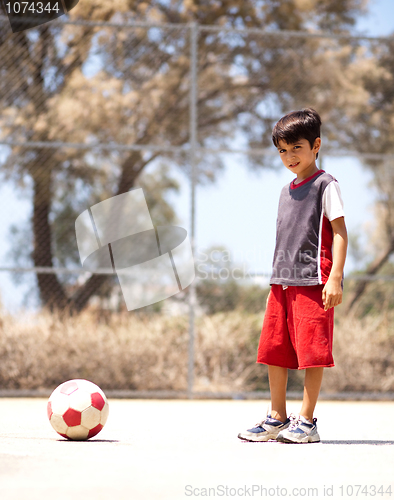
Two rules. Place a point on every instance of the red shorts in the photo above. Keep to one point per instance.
(297, 332)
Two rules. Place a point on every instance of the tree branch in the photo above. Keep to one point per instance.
(372, 269)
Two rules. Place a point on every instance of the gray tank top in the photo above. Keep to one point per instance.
(303, 251)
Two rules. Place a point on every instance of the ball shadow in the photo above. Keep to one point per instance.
(88, 440)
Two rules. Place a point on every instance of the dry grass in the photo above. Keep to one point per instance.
(124, 351)
(226, 348)
(363, 355)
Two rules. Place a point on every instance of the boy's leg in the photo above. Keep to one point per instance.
(269, 428)
(303, 429)
(313, 380)
(278, 383)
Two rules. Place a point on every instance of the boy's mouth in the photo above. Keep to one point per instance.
(292, 165)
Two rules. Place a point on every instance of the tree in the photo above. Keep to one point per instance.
(98, 85)
(372, 131)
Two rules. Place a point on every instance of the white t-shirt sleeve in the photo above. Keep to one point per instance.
(332, 202)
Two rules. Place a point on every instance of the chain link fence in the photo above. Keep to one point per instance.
(91, 110)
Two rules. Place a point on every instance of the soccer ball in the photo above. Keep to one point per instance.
(77, 409)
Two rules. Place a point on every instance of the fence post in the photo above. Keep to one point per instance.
(193, 168)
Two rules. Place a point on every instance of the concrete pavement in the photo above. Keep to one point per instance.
(161, 449)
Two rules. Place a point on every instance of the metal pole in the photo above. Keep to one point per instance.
(193, 168)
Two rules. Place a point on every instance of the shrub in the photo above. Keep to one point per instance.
(130, 351)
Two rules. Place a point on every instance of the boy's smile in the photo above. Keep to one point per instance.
(299, 157)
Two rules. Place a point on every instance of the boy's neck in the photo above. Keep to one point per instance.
(306, 173)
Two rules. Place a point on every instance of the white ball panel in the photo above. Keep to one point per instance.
(58, 423)
(90, 417)
(90, 387)
(80, 400)
(78, 432)
(60, 403)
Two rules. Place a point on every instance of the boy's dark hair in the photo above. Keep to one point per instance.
(303, 124)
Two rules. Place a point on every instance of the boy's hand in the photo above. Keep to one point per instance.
(332, 293)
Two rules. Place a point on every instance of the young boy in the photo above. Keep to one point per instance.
(306, 282)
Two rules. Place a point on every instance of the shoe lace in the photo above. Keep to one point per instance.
(260, 424)
(294, 421)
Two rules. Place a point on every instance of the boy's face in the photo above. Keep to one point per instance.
(299, 157)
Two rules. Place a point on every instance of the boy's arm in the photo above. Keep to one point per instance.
(332, 291)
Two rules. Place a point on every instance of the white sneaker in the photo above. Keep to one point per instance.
(268, 429)
(300, 430)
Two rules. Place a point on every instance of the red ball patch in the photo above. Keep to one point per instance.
(49, 410)
(69, 387)
(95, 430)
(72, 417)
(97, 401)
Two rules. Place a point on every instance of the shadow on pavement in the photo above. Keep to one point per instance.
(88, 440)
(358, 441)
(373, 442)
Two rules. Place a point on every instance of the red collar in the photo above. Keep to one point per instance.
(295, 186)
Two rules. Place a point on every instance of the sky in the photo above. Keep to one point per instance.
(239, 210)
(379, 20)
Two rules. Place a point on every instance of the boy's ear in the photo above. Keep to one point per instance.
(317, 144)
